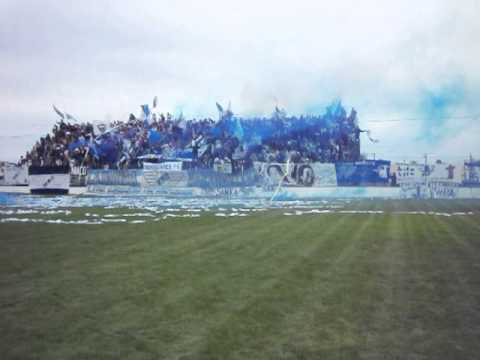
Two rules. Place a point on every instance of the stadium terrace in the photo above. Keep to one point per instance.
(231, 140)
(279, 156)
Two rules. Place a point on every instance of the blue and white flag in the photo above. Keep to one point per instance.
(238, 130)
(146, 110)
(146, 113)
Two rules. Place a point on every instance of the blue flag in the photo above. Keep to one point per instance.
(146, 110)
(238, 130)
(154, 137)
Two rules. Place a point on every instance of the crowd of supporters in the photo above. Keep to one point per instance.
(203, 143)
(60, 147)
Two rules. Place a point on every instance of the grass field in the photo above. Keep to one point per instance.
(265, 286)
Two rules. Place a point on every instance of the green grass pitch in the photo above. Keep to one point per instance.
(266, 286)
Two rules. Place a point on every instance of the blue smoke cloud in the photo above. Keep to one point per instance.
(436, 106)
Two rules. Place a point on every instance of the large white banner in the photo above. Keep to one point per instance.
(304, 174)
(49, 181)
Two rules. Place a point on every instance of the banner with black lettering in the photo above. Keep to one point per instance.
(167, 174)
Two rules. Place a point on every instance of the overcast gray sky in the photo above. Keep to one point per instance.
(100, 60)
